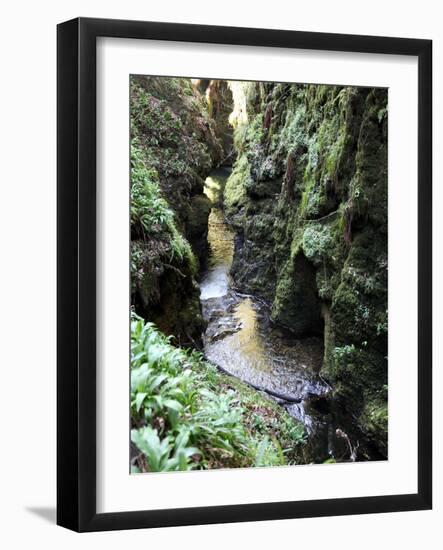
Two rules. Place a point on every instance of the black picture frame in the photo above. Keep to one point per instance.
(76, 280)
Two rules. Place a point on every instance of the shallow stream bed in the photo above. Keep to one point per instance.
(242, 341)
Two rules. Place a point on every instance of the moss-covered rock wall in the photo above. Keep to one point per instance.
(174, 147)
(308, 198)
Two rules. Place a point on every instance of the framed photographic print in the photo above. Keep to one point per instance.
(244, 274)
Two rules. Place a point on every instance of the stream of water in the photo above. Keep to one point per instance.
(241, 339)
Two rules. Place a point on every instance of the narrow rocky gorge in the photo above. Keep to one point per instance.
(289, 292)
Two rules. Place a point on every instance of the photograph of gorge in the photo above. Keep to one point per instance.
(259, 274)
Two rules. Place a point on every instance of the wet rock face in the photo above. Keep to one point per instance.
(300, 310)
(308, 198)
(176, 308)
(197, 226)
(253, 268)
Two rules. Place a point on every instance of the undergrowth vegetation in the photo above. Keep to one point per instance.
(150, 212)
(187, 415)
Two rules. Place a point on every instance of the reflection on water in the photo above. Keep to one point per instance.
(248, 339)
(215, 282)
(240, 337)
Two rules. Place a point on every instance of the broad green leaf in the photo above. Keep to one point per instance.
(139, 398)
(173, 404)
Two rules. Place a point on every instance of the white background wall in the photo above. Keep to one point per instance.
(27, 272)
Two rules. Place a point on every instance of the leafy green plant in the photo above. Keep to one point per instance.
(269, 453)
(180, 418)
(317, 243)
(148, 209)
(150, 212)
(161, 454)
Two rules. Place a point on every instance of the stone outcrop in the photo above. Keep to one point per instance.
(308, 198)
(175, 144)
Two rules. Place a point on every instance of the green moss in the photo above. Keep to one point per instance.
(324, 232)
(254, 131)
(374, 420)
(151, 216)
(169, 119)
(235, 188)
(308, 199)
(317, 243)
(293, 133)
(173, 148)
